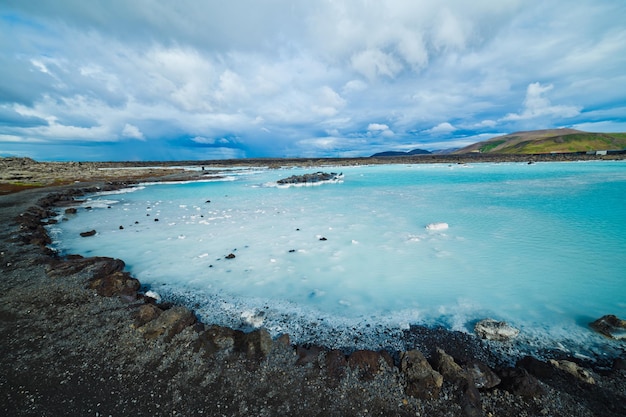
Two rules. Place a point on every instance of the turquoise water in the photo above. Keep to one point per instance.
(541, 246)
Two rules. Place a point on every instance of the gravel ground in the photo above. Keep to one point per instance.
(68, 351)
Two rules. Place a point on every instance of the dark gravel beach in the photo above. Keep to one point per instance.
(78, 339)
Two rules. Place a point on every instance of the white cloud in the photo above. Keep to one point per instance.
(536, 104)
(40, 66)
(328, 102)
(374, 62)
(203, 140)
(132, 132)
(451, 32)
(354, 86)
(487, 123)
(377, 126)
(441, 128)
(379, 129)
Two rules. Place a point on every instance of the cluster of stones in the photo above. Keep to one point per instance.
(310, 178)
(420, 377)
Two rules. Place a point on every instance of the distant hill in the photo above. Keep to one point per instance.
(548, 141)
(399, 153)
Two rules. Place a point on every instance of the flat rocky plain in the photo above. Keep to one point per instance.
(79, 339)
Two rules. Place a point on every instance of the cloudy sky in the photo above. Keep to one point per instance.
(207, 79)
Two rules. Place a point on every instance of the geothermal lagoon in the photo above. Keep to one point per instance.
(353, 262)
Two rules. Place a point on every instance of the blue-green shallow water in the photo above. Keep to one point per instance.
(541, 246)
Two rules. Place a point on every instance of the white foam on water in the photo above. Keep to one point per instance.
(122, 191)
(437, 226)
(319, 262)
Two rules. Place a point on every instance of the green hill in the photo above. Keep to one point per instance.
(548, 141)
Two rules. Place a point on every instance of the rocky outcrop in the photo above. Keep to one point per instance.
(32, 229)
(146, 313)
(447, 367)
(421, 380)
(519, 382)
(610, 326)
(469, 396)
(255, 345)
(573, 369)
(481, 375)
(104, 275)
(491, 329)
(215, 338)
(118, 283)
(93, 267)
(311, 178)
(336, 364)
(168, 324)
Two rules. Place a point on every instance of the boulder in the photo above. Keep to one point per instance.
(447, 367)
(117, 283)
(89, 233)
(105, 275)
(311, 178)
(71, 210)
(256, 344)
(610, 326)
(307, 355)
(31, 227)
(468, 395)
(491, 329)
(216, 338)
(146, 313)
(336, 364)
(536, 367)
(482, 375)
(421, 380)
(94, 267)
(573, 369)
(284, 340)
(518, 381)
(168, 324)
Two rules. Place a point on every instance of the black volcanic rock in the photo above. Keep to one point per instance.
(310, 178)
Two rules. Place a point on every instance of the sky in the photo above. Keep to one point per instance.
(208, 79)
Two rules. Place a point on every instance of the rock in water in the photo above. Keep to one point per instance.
(491, 329)
(610, 326)
(311, 178)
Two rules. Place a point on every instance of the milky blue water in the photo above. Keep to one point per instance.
(540, 246)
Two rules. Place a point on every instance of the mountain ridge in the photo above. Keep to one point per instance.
(548, 141)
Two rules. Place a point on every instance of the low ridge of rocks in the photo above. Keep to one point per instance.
(311, 178)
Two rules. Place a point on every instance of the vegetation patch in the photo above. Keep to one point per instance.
(487, 147)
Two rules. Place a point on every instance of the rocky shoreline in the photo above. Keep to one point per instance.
(79, 339)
